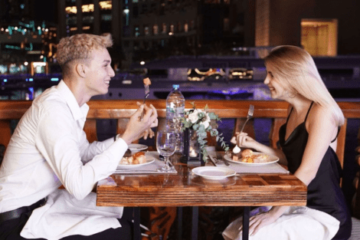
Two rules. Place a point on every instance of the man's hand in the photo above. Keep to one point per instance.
(141, 127)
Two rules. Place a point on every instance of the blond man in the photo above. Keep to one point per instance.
(49, 149)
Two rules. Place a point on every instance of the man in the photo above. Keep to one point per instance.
(49, 149)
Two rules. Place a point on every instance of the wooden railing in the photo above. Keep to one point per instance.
(123, 109)
(234, 109)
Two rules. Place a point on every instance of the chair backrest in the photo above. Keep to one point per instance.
(235, 109)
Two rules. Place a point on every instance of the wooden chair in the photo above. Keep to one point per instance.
(161, 219)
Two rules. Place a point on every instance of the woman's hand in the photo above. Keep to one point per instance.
(260, 220)
(243, 140)
(263, 219)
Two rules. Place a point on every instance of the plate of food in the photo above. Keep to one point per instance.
(213, 173)
(251, 158)
(135, 160)
(137, 147)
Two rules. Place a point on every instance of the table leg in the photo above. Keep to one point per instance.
(179, 223)
(246, 216)
(195, 223)
(137, 232)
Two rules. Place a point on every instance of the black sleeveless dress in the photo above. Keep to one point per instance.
(324, 193)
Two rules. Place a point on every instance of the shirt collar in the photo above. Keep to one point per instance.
(77, 111)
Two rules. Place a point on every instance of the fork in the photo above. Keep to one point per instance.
(147, 93)
(249, 115)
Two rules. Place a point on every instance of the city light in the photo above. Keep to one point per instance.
(105, 5)
(142, 63)
(26, 63)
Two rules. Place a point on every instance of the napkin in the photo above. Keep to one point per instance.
(151, 168)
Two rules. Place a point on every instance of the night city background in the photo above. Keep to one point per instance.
(212, 48)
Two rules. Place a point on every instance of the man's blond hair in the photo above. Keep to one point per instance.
(79, 47)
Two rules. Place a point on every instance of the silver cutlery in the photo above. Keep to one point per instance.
(147, 92)
(226, 163)
(212, 160)
(249, 115)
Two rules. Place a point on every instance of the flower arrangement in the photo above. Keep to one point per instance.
(203, 122)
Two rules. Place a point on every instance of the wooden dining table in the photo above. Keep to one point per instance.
(186, 189)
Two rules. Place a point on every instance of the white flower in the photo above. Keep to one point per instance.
(205, 121)
(193, 117)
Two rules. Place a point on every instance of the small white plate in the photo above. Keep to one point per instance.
(149, 160)
(213, 173)
(271, 159)
(137, 147)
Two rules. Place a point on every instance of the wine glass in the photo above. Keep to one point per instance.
(165, 145)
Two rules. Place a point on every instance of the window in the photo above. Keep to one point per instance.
(319, 36)
(156, 29)
(192, 24)
(164, 28)
(146, 30)
(144, 8)
(172, 28)
(135, 11)
(87, 8)
(71, 9)
(88, 19)
(136, 31)
(186, 27)
(105, 5)
(106, 17)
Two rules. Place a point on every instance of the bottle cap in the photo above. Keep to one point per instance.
(176, 86)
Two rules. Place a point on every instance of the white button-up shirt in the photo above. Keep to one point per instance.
(49, 149)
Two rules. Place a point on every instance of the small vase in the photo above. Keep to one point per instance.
(192, 154)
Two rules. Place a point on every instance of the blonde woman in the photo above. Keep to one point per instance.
(308, 144)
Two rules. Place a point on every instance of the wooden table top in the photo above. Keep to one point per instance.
(187, 189)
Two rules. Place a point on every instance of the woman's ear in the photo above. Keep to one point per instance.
(81, 70)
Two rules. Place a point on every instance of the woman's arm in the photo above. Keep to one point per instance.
(321, 129)
(243, 140)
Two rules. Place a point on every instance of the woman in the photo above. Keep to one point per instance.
(308, 143)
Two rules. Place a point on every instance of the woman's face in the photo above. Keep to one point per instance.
(277, 89)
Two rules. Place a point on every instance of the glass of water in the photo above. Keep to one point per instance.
(165, 145)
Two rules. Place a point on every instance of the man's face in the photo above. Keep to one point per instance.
(100, 72)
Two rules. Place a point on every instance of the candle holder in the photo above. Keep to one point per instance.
(192, 154)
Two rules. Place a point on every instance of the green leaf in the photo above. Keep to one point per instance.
(214, 132)
(196, 126)
(213, 116)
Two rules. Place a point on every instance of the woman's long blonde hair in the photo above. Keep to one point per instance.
(296, 68)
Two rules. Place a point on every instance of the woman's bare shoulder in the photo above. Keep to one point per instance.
(321, 115)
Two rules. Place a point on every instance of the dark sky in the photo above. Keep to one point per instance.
(45, 10)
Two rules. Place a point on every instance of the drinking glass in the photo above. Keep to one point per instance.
(165, 145)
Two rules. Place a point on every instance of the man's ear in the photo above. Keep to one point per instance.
(80, 69)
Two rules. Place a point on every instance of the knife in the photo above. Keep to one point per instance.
(212, 160)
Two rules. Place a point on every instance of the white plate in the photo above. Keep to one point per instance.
(149, 160)
(137, 147)
(213, 173)
(271, 159)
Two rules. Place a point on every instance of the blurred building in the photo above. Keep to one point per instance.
(149, 29)
(322, 27)
(27, 45)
